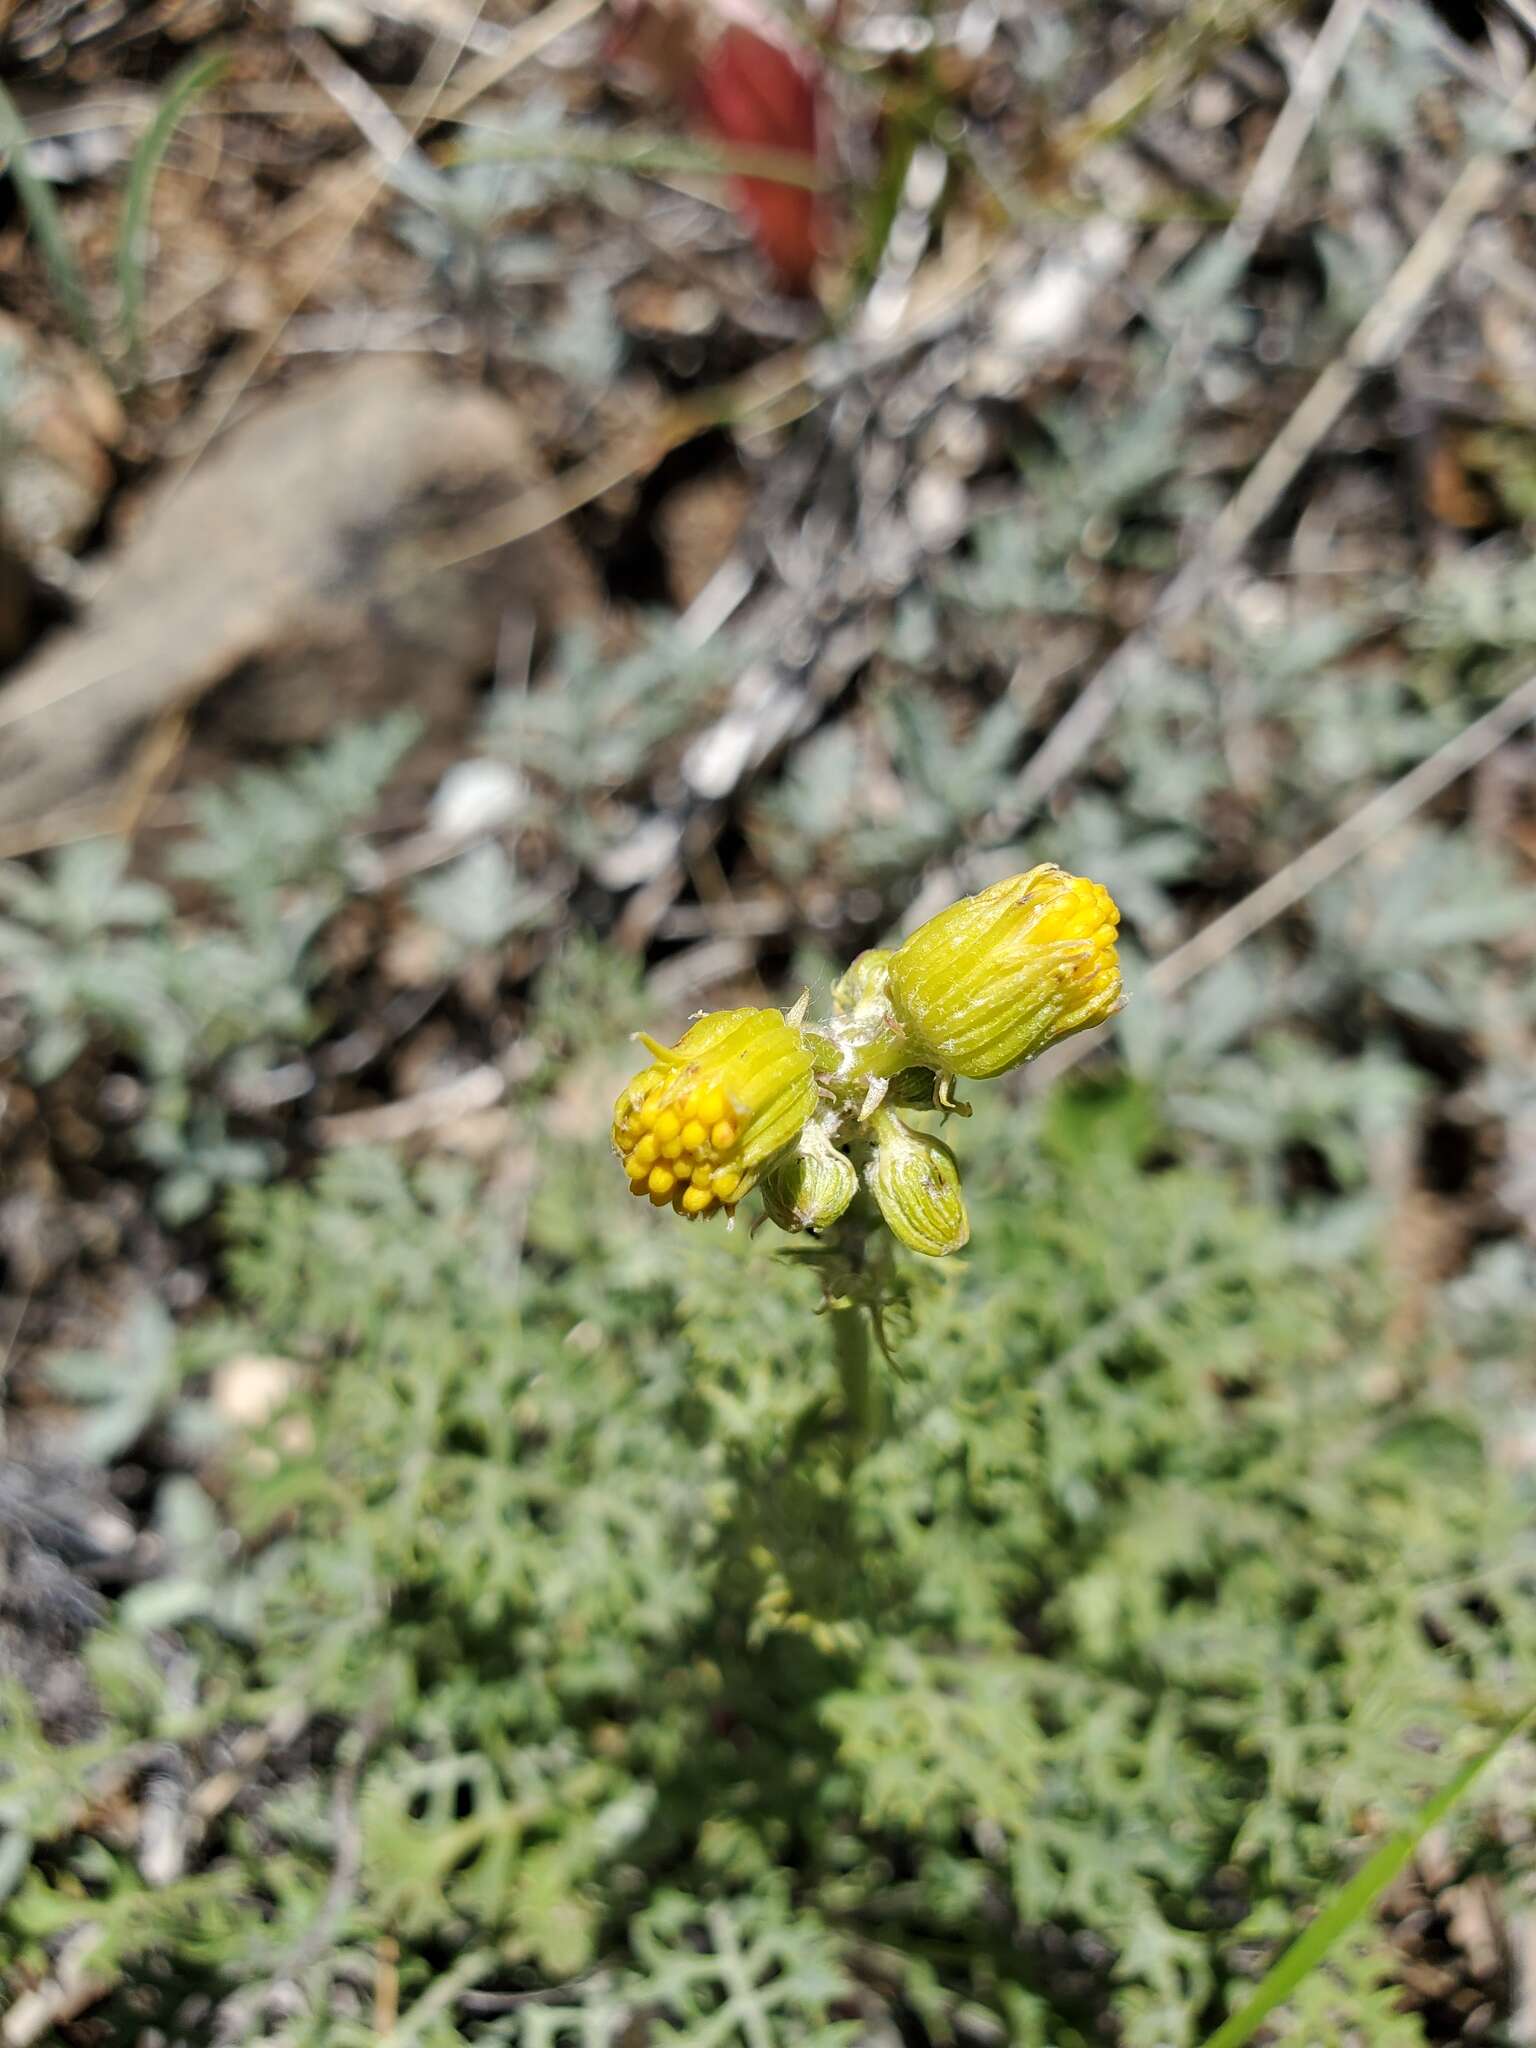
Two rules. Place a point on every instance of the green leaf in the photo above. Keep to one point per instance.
(186, 84)
(47, 225)
(123, 1390)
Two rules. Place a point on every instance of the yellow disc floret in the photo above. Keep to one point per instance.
(997, 978)
(696, 1130)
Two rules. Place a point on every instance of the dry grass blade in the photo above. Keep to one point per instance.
(524, 44)
(1277, 163)
(645, 155)
(1318, 863)
(1194, 37)
(1375, 343)
(782, 389)
(443, 104)
(1391, 807)
(391, 141)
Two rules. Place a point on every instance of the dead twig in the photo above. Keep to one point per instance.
(1375, 343)
(73, 1987)
(1319, 863)
(1383, 813)
(1195, 34)
(465, 1095)
(380, 127)
(773, 394)
(242, 2009)
(1276, 166)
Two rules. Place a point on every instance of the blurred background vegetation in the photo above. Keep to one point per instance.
(517, 525)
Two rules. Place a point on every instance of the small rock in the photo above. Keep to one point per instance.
(1046, 314)
(347, 22)
(937, 508)
(640, 856)
(475, 797)
(960, 438)
(248, 1391)
(311, 564)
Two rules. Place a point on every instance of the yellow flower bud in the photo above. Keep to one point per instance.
(998, 977)
(915, 1178)
(812, 1187)
(696, 1130)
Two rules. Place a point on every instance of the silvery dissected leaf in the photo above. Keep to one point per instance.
(15, 1855)
(54, 1047)
(197, 1156)
(200, 1576)
(120, 1392)
(585, 343)
(273, 828)
(1175, 1036)
(82, 892)
(480, 899)
(592, 723)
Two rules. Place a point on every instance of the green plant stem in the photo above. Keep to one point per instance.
(860, 1241)
(46, 223)
(861, 1403)
(193, 78)
(1353, 1899)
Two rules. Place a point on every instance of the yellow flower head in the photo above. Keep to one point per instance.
(998, 977)
(697, 1129)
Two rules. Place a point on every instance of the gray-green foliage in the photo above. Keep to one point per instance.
(665, 1694)
(593, 723)
(479, 899)
(1178, 1563)
(88, 953)
(198, 1003)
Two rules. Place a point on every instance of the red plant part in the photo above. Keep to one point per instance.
(753, 92)
(747, 84)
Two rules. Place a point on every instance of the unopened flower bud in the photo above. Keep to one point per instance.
(698, 1128)
(812, 1186)
(915, 1178)
(998, 977)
